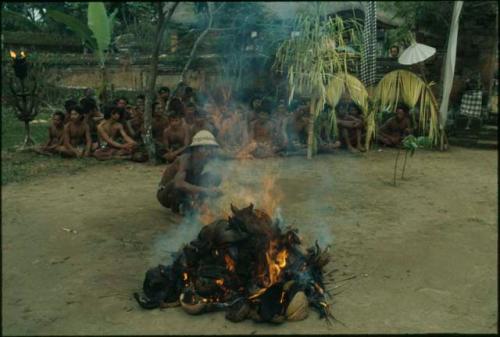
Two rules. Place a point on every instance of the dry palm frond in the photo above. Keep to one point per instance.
(313, 57)
(405, 86)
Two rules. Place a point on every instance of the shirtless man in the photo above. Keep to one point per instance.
(264, 141)
(109, 131)
(68, 106)
(233, 133)
(392, 132)
(76, 135)
(202, 122)
(175, 137)
(163, 97)
(184, 186)
(189, 112)
(296, 128)
(92, 117)
(351, 127)
(56, 130)
(159, 124)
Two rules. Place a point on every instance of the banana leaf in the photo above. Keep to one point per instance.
(75, 25)
(99, 24)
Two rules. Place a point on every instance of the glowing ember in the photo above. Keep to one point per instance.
(13, 54)
(219, 282)
(185, 276)
(230, 265)
(23, 55)
(257, 293)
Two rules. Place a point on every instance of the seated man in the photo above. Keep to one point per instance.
(202, 122)
(351, 127)
(296, 128)
(92, 117)
(56, 130)
(189, 111)
(233, 134)
(137, 118)
(393, 131)
(76, 136)
(264, 140)
(159, 124)
(163, 98)
(68, 106)
(109, 132)
(175, 137)
(325, 140)
(184, 186)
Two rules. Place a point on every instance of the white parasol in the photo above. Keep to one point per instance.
(416, 53)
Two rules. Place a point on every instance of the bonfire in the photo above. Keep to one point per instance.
(247, 265)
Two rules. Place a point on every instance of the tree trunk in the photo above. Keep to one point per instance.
(151, 82)
(396, 165)
(197, 42)
(404, 166)
(310, 128)
(28, 141)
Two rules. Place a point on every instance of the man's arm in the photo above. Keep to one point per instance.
(104, 135)
(125, 136)
(181, 183)
(88, 141)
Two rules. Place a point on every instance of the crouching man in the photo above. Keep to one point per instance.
(184, 185)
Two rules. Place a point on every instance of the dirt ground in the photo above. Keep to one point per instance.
(423, 254)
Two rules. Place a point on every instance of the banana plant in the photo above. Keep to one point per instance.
(410, 144)
(96, 34)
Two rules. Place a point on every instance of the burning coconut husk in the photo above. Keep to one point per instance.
(244, 264)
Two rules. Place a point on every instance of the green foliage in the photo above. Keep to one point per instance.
(101, 26)
(78, 27)
(412, 143)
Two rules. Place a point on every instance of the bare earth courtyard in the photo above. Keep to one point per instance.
(423, 254)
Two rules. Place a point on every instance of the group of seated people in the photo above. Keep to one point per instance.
(263, 128)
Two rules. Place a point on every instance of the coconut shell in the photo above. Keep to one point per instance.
(192, 309)
(298, 309)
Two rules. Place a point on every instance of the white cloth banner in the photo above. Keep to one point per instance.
(449, 70)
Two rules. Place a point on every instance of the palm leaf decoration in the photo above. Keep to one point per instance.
(314, 60)
(405, 86)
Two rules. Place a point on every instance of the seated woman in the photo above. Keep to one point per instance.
(175, 137)
(351, 127)
(109, 133)
(56, 130)
(393, 131)
(76, 136)
(184, 184)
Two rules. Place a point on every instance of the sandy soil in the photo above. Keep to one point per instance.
(424, 253)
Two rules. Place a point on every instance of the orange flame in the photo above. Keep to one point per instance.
(185, 276)
(219, 282)
(275, 265)
(230, 265)
(12, 54)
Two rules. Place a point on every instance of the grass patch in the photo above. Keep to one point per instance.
(18, 166)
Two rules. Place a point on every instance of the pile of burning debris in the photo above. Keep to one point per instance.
(246, 265)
